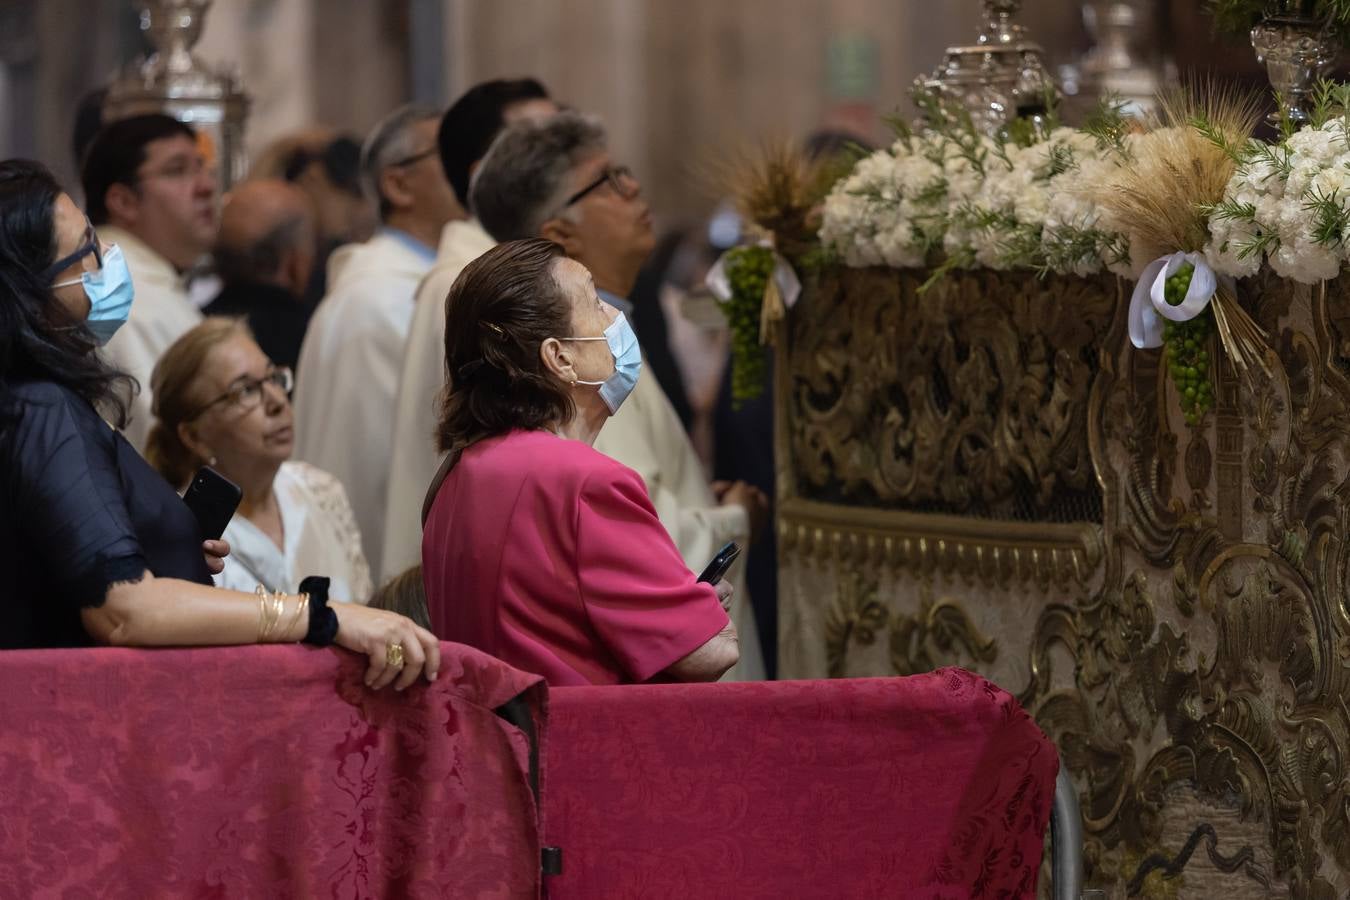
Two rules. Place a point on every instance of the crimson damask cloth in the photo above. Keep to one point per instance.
(933, 786)
(262, 772)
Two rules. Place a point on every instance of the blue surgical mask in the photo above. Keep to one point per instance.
(623, 346)
(110, 294)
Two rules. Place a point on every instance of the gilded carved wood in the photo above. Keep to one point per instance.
(1187, 647)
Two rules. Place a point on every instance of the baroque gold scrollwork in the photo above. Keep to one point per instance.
(969, 399)
(1206, 611)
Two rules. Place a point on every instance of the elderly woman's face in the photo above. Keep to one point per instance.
(250, 424)
(590, 317)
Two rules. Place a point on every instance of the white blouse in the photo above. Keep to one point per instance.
(320, 534)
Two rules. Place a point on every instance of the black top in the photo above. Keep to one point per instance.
(278, 317)
(79, 511)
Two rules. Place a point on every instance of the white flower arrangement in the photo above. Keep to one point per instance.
(951, 198)
(1288, 206)
(891, 209)
(981, 202)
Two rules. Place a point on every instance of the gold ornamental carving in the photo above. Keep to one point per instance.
(970, 399)
(1192, 640)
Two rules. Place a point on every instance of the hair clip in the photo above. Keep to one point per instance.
(496, 328)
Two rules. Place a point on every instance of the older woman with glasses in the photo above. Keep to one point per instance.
(219, 401)
(95, 546)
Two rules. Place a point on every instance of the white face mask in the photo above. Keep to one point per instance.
(624, 347)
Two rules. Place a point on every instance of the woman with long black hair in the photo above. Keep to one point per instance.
(95, 546)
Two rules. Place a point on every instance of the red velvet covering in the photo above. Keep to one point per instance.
(934, 786)
(260, 772)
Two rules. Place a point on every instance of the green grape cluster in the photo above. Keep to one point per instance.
(1187, 352)
(748, 271)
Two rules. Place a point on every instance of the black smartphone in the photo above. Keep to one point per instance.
(720, 563)
(213, 498)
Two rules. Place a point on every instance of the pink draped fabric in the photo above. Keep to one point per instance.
(934, 786)
(261, 772)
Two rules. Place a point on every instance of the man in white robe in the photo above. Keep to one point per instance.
(149, 190)
(466, 131)
(555, 179)
(347, 379)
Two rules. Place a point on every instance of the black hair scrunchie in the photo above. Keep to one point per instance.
(323, 622)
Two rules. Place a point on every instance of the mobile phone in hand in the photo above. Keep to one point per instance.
(213, 498)
(720, 563)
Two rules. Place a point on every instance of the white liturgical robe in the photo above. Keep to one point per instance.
(414, 459)
(160, 314)
(347, 378)
(320, 537)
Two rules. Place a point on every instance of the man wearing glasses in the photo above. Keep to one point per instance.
(149, 190)
(353, 352)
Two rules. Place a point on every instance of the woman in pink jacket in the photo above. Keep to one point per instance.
(537, 548)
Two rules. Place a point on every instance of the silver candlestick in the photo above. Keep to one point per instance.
(173, 80)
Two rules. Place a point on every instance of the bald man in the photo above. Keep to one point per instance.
(264, 255)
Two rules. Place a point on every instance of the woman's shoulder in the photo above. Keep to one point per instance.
(40, 403)
(545, 451)
(40, 393)
(319, 483)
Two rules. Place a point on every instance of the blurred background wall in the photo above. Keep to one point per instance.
(676, 81)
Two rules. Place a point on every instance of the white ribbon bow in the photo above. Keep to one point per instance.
(789, 286)
(1149, 301)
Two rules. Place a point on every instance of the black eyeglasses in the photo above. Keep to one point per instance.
(416, 157)
(618, 177)
(91, 245)
(248, 392)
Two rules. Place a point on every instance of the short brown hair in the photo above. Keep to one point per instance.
(173, 400)
(500, 309)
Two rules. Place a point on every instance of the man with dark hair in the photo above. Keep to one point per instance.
(264, 256)
(352, 357)
(466, 131)
(148, 189)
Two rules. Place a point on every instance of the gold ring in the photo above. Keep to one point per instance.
(394, 656)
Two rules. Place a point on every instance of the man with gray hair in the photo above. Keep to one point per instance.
(352, 356)
(555, 179)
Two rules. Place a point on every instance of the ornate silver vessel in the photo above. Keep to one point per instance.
(174, 81)
(1002, 76)
(1118, 63)
(1297, 49)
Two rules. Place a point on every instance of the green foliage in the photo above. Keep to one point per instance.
(748, 269)
(1330, 216)
(1108, 124)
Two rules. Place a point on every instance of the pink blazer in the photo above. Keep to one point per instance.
(549, 556)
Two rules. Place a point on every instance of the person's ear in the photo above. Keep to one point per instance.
(123, 204)
(187, 433)
(561, 231)
(296, 264)
(394, 188)
(557, 357)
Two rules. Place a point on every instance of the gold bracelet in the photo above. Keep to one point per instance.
(301, 607)
(270, 607)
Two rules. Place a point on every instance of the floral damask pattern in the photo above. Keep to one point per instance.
(934, 786)
(261, 772)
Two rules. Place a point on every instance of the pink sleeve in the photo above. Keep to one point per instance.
(640, 597)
